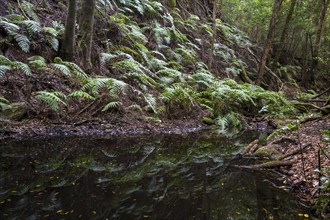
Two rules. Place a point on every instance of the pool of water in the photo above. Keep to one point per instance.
(149, 177)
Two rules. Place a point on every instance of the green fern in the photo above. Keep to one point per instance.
(53, 99)
(7, 65)
(114, 86)
(135, 106)
(230, 120)
(62, 68)
(111, 105)
(177, 96)
(69, 67)
(23, 67)
(4, 69)
(81, 94)
(37, 62)
(151, 102)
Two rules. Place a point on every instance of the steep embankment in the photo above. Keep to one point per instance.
(149, 66)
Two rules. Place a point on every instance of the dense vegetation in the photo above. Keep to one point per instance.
(157, 61)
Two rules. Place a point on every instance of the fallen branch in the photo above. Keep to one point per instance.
(294, 152)
(270, 164)
(322, 93)
(249, 147)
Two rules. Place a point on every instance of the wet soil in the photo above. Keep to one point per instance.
(36, 129)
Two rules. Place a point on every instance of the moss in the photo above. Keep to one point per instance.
(208, 121)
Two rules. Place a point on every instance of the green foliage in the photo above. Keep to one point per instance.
(111, 105)
(53, 99)
(113, 87)
(4, 103)
(178, 97)
(81, 94)
(68, 68)
(7, 65)
(228, 121)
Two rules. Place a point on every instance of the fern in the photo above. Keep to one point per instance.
(24, 67)
(111, 105)
(53, 99)
(32, 26)
(7, 65)
(69, 67)
(37, 62)
(4, 69)
(230, 120)
(114, 86)
(62, 68)
(151, 102)
(29, 10)
(135, 106)
(81, 94)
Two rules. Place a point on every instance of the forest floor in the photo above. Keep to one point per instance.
(36, 129)
(302, 175)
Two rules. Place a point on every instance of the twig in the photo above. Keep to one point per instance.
(325, 154)
(294, 152)
(322, 93)
(20, 6)
(302, 156)
(269, 164)
(319, 164)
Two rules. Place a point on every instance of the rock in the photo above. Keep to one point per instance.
(14, 111)
(269, 151)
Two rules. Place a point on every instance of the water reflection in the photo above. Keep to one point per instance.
(166, 177)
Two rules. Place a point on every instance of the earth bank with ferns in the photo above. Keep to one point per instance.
(150, 72)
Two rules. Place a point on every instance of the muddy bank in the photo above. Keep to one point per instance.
(39, 129)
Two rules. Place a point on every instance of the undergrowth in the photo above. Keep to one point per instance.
(156, 67)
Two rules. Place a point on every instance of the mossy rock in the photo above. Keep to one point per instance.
(208, 121)
(271, 151)
(14, 111)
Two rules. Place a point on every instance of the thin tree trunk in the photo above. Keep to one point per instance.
(214, 34)
(68, 42)
(86, 24)
(310, 77)
(269, 39)
(278, 52)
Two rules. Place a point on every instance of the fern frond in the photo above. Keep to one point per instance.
(32, 26)
(29, 10)
(151, 102)
(8, 26)
(135, 106)
(52, 98)
(22, 41)
(62, 68)
(54, 43)
(24, 67)
(81, 94)
(111, 105)
(4, 69)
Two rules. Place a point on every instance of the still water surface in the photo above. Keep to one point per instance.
(162, 177)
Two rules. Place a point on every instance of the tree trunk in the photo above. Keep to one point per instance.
(214, 33)
(86, 24)
(68, 41)
(269, 39)
(310, 76)
(278, 52)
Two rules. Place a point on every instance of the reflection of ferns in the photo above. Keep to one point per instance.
(230, 120)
